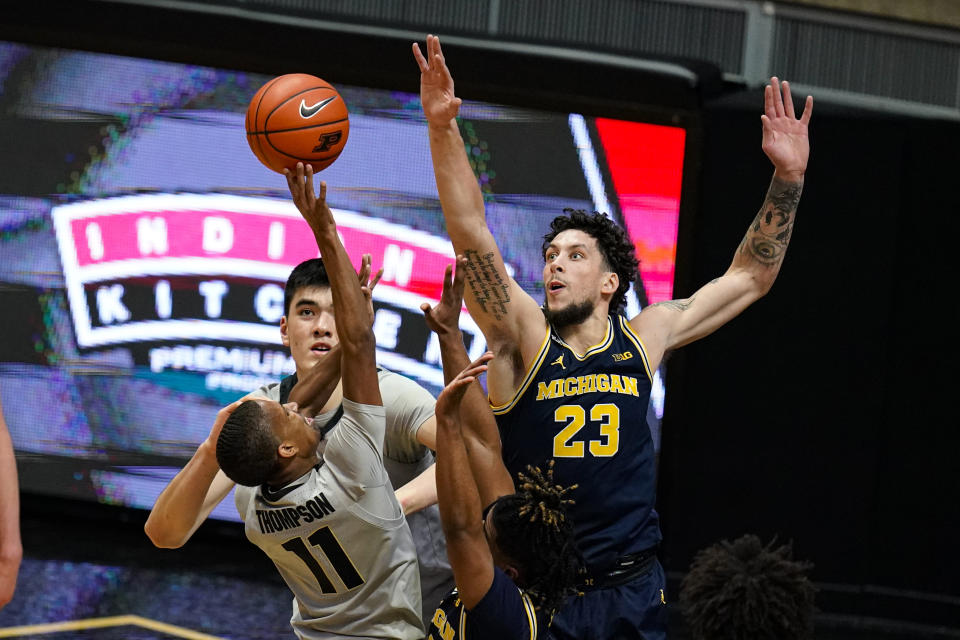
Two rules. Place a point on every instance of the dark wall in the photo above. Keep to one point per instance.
(824, 413)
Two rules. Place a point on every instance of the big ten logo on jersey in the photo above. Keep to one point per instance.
(206, 272)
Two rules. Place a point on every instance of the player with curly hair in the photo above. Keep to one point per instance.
(571, 379)
(745, 590)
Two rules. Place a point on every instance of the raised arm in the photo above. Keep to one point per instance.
(757, 260)
(354, 324)
(314, 390)
(459, 499)
(192, 494)
(509, 318)
(479, 429)
(11, 549)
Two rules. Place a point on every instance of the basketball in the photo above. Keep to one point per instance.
(297, 118)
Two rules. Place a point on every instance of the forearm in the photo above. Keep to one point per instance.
(419, 493)
(353, 325)
(11, 549)
(762, 250)
(178, 510)
(453, 354)
(475, 416)
(457, 494)
(312, 392)
(457, 186)
(480, 436)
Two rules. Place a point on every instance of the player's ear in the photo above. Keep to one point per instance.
(283, 332)
(610, 284)
(287, 449)
(511, 572)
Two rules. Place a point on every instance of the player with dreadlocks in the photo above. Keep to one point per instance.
(515, 560)
(572, 377)
(745, 590)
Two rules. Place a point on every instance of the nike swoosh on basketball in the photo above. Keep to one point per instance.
(307, 112)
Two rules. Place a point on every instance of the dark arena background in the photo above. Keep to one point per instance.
(143, 251)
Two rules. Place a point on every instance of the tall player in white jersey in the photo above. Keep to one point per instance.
(329, 521)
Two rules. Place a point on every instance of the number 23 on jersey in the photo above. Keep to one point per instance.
(566, 444)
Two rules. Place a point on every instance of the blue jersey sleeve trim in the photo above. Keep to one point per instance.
(531, 614)
(635, 339)
(499, 410)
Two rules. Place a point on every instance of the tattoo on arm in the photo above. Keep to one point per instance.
(768, 236)
(682, 304)
(489, 288)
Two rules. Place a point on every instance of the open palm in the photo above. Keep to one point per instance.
(440, 104)
(785, 139)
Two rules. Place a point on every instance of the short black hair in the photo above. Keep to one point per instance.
(247, 447)
(535, 532)
(745, 590)
(614, 244)
(309, 273)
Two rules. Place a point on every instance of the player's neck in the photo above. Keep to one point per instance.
(585, 335)
(293, 470)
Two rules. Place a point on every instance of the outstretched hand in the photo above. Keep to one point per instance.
(785, 138)
(448, 402)
(312, 206)
(440, 105)
(444, 318)
(366, 284)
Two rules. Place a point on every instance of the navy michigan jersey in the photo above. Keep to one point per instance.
(588, 413)
(504, 613)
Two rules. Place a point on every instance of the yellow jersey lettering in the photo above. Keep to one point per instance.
(591, 383)
(615, 385)
(603, 382)
(440, 622)
(583, 384)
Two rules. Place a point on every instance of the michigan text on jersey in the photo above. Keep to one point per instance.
(574, 386)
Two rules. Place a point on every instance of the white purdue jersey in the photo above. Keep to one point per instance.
(339, 539)
(407, 406)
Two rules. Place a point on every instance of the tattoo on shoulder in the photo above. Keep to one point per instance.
(768, 236)
(489, 288)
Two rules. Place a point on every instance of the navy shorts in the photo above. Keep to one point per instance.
(637, 609)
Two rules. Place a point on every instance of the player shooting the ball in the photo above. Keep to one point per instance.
(329, 521)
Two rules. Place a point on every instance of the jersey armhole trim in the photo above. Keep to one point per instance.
(531, 614)
(531, 373)
(634, 338)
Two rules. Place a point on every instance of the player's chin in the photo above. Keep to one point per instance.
(555, 302)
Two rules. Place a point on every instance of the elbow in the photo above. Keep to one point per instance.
(764, 285)
(161, 539)
(757, 284)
